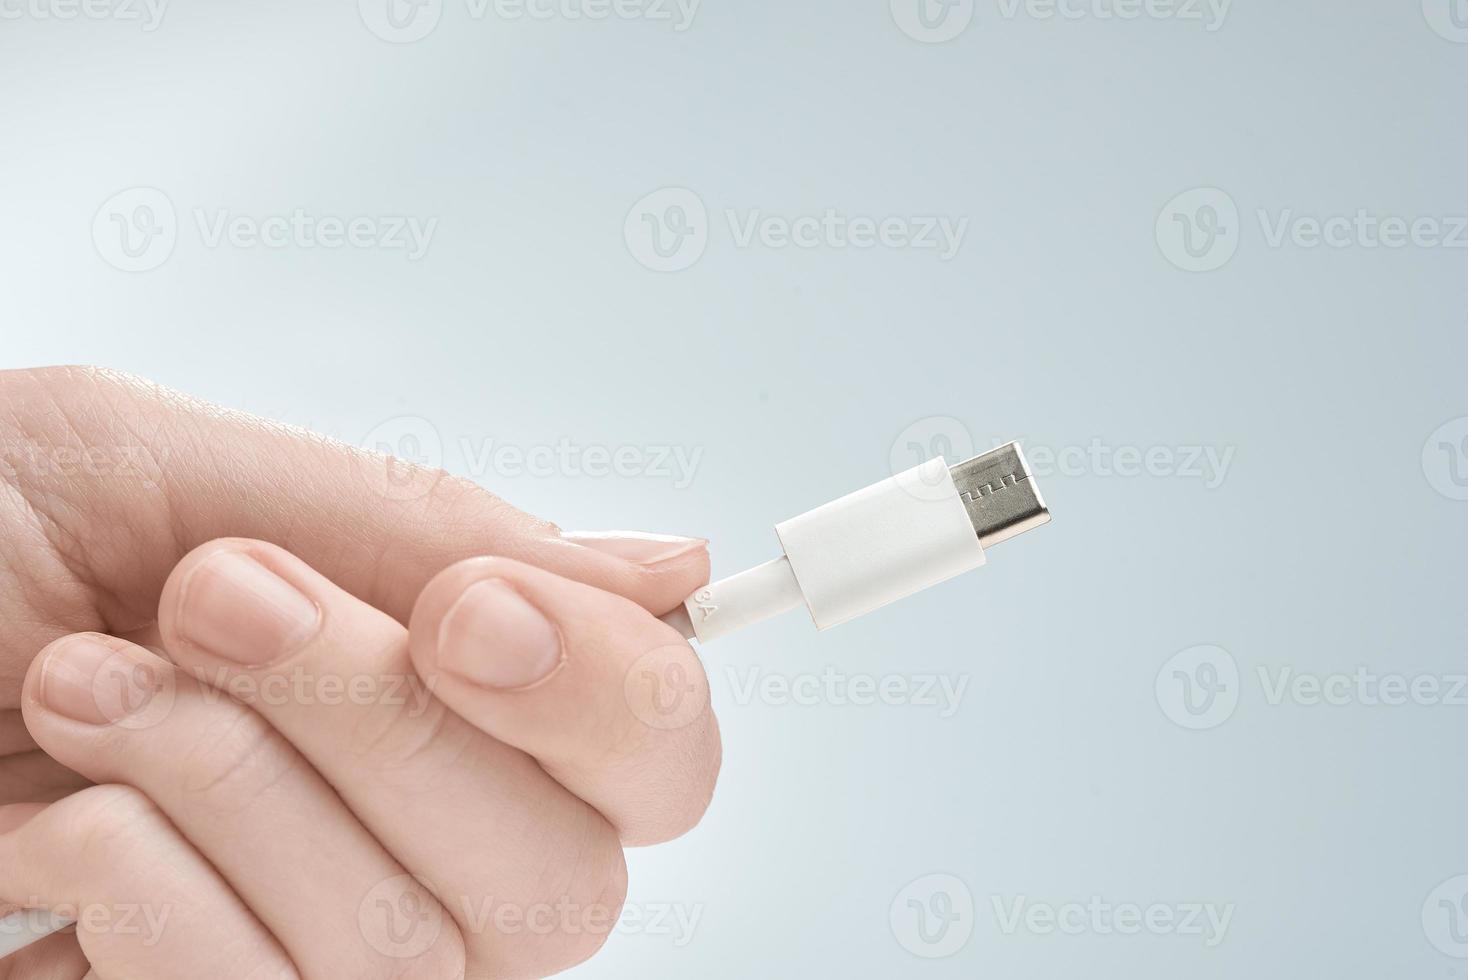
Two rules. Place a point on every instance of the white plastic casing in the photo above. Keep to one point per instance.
(881, 544)
(851, 556)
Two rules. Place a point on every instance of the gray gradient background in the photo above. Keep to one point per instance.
(793, 372)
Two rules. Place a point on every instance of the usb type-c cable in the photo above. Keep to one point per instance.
(840, 561)
(875, 546)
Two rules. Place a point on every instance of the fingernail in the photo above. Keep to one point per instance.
(235, 608)
(638, 547)
(87, 681)
(494, 637)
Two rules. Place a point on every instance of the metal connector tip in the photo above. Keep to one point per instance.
(1000, 494)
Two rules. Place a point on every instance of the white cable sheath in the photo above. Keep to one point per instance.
(850, 556)
(20, 929)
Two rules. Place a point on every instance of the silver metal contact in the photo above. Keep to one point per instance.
(1000, 494)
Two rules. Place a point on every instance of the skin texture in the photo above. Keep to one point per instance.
(480, 780)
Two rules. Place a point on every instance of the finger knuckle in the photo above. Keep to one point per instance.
(400, 740)
(108, 822)
(235, 761)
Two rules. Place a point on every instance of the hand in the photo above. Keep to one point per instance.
(283, 837)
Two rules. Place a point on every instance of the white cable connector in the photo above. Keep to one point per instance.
(876, 546)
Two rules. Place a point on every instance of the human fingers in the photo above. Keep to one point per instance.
(148, 906)
(479, 821)
(613, 703)
(241, 795)
(108, 481)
